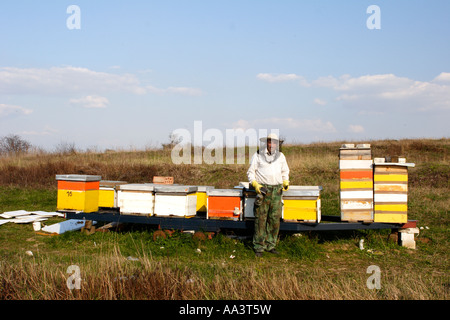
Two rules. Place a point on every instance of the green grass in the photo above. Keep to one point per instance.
(12, 198)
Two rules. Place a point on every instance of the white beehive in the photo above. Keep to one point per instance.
(136, 199)
(175, 200)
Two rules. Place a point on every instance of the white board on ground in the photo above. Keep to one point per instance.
(68, 225)
(5, 221)
(47, 214)
(12, 214)
(28, 219)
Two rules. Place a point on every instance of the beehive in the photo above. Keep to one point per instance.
(78, 192)
(248, 199)
(136, 199)
(356, 182)
(107, 197)
(224, 204)
(175, 200)
(302, 203)
(201, 198)
(391, 192)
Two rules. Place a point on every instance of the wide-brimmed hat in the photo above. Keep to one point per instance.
(271, 136)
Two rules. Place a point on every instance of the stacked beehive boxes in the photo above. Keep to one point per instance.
(302, 203)
(78, 192)
(175, 200)
(224, 204)
(356, 182)
(391, 191)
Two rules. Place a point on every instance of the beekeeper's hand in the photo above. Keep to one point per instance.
(286, 185)
(257, 186)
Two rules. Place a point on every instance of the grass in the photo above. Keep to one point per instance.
(128, 264)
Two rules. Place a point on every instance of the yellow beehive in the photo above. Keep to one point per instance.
(302, 203)
(78, 192)
(108, 193)
(391, 192)
(202, 205)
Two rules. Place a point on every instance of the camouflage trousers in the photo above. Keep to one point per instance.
(267, 210)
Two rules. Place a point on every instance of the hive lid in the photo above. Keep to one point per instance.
(244, 184)
(78, 177)
(225, 192)
(398, 164)
(137, 187)
(353, 146)
(303, 191)
(204, 188)
(110, 183)
(305, 188)
(175, 189)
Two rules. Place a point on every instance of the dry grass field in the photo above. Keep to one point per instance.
(128, 264)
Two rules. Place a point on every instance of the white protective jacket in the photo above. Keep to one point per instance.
(268, 169)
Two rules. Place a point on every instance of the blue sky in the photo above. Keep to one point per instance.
(136, 71)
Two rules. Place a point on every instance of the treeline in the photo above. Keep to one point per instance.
(13, 145)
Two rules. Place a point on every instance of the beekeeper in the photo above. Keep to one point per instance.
(269, 175)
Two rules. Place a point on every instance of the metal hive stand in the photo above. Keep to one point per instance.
(198, 223)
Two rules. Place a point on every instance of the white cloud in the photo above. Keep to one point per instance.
(389, 92)
(282, 77)
(91, 102)
(355, 128)
(7, 109)
(301, 125)
(381, 92)
(65, 80)
(444, 77)
(277, 78)
(177, 90)
(47, 131)
(320, 102)
(70, 80)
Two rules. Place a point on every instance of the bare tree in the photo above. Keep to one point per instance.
(13, 144)
(66, 148)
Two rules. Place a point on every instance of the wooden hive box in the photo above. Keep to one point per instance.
(107, 197)
(224, 204)
(302, 203)
(175, 200)
(202, 196)
(356, 183)
(248, 199)
(136, 199)
(78, 192)
(391, 192)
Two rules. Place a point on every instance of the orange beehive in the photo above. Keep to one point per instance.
(224, 204)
